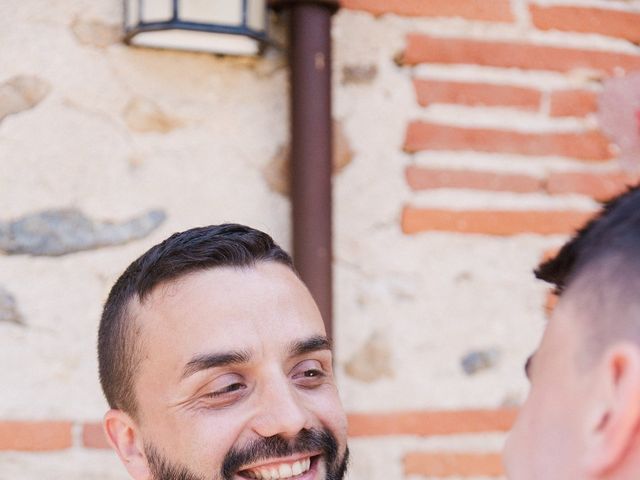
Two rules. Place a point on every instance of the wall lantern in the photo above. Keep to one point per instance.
(231, 27)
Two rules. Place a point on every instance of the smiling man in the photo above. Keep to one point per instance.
(581, 420)
(215, 363)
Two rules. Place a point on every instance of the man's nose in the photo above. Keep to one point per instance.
(280, 410)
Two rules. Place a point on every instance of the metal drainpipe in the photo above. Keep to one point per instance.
(309, 31)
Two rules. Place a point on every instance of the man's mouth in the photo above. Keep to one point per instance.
(280, 469)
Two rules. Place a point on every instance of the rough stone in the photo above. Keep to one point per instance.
(271, 62)
(372, 361)
(277, 172)
(342, 152)
(59, 232)
(143, 115)
(96, 33)
(358, 74)
(21, 93)
(8, 308)
(136, 160)
(463, 277)
(479, 360)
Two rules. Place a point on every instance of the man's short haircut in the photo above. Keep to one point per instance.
(615, 230)
(604, 258)
(227, 245)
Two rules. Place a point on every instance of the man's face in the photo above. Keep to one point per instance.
(547, 441)
(236, 379)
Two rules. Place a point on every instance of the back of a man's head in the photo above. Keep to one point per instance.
(197, 249)
(581, 420)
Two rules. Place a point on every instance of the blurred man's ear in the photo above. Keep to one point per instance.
(124, 437)
(615, 425)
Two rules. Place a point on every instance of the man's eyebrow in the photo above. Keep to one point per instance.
(213, 360)
(309, 345)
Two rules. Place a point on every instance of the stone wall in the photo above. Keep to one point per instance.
(473, 136)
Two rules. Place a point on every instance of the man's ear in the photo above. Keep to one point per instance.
(617, 421)
(124, 437)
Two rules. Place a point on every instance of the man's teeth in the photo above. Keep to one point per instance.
(284, 470)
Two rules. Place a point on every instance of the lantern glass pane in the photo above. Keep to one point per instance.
(223, 12)
(132, 13)
(256, 16)
(156, 10)
(198, 41)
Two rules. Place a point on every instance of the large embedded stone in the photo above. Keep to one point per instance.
(342, 153)
(21, 93)
(277, 173)
(372, 361)
(96, 33)
(479, 360)
(59, 232)
(8, 308)
(143, 115)
(359, 74)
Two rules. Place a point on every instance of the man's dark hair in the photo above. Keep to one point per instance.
(615, 230)
(227, 245)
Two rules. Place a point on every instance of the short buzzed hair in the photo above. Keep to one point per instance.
(226, 245)
(604, 256)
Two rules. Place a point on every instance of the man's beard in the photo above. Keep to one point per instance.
(307, 441)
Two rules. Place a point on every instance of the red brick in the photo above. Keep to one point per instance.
(476, 94)
(589, 145)
(600, 186)
(427, 49)
(486, 10)
(93, 436)
(447, 422)
(420, 178)
(35, 436)
(446, 464)
(573, 103)
(613, 23)
(492, 222)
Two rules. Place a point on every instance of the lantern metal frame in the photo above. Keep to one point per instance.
(174, 23)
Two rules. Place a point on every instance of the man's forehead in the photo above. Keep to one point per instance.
(231, 303)
(224, 285)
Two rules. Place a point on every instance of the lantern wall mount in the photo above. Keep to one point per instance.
(231, 27)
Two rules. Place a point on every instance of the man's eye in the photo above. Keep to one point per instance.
(310, 378)
(228, 389)
(309, 374)
(224, 397)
